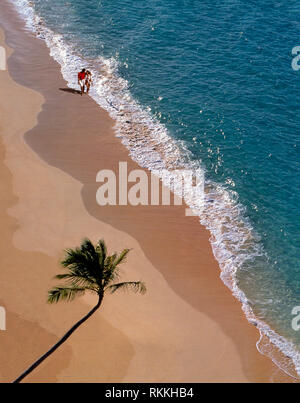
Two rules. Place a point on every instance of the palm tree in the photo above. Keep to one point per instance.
(89, 269)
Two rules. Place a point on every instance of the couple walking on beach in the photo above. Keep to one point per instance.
(85, 80)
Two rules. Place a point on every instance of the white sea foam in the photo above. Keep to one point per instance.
(232, 237)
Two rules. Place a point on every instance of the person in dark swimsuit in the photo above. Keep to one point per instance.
(88, 81)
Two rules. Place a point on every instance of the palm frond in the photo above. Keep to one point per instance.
(77, 281)
(64, 293)
(110, 260)
(111, 271)
(88, 249)
(75, 260)
(88, 244)
(83, 261)
(121, 258)
(101, 251)
(135, 286)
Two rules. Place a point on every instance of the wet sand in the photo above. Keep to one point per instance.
(187, 328)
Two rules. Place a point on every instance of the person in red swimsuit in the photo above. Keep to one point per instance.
(81, 80)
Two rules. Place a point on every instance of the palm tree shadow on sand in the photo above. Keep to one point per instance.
(70, 90)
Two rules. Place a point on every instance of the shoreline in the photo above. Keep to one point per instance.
(67, 210)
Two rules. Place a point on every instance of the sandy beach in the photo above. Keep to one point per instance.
(187, 328)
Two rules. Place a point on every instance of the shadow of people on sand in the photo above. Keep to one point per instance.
(71, 90)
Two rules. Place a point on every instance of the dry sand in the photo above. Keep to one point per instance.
(187, 328)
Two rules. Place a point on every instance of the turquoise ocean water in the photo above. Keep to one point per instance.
(214, 83)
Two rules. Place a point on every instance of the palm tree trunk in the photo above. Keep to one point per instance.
(59, 343)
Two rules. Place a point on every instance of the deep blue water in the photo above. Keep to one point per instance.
(219, 76)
